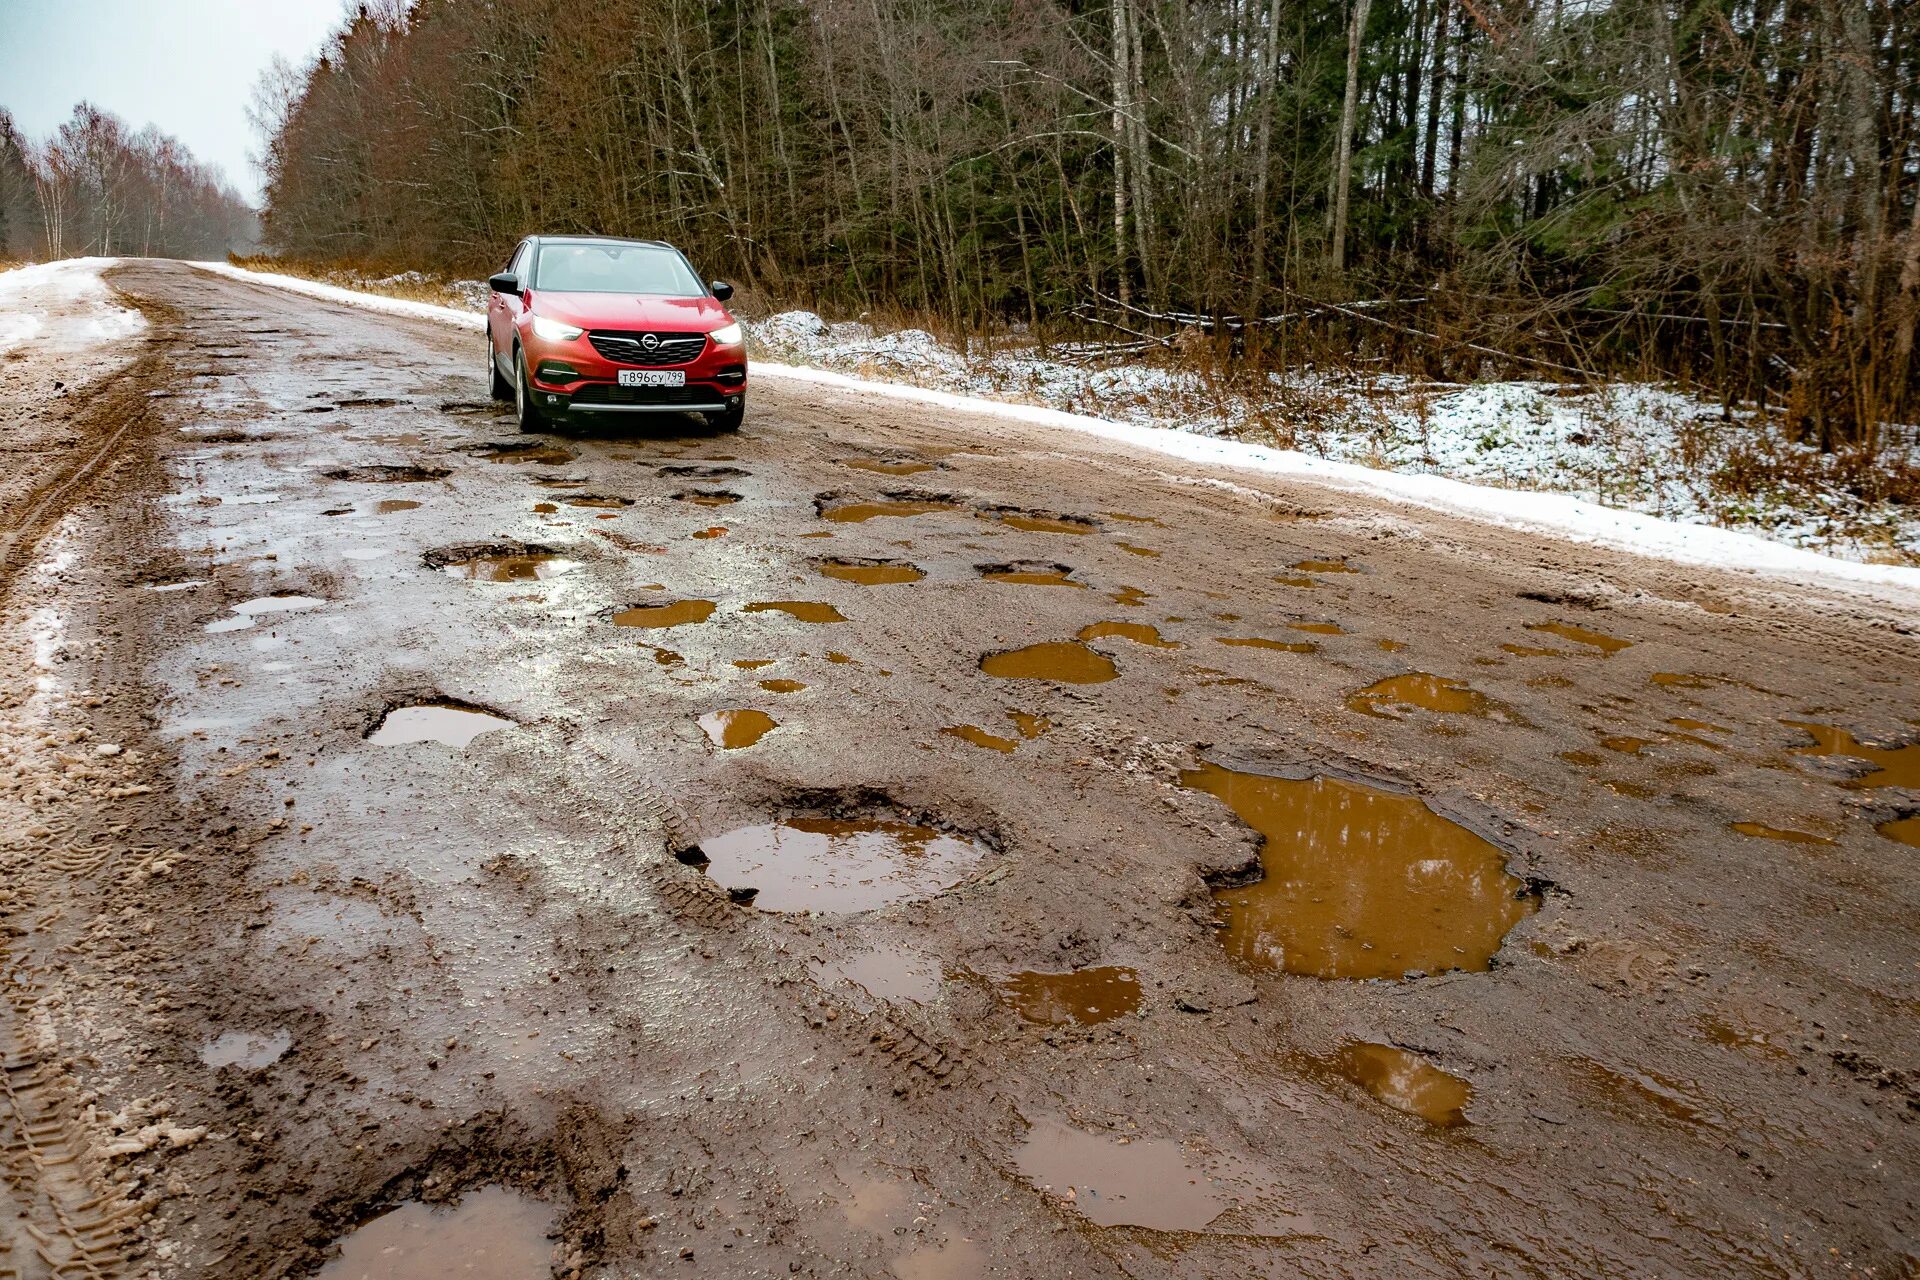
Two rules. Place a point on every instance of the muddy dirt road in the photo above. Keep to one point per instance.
(837, 850)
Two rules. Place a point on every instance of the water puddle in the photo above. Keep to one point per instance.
(1531, 651)
(452, 723)
(1114, 1182)
(1134, 549)
(492, 1234)
(717, 531)
(1138, 632)
(980, 738)
(871, 573)
(386, 474)
(543, 452)
(1155, 521)
(598, 501)
(799, 610)
(1608, 645)
(1406, 1082)
(499, 562)
(884, 975)
(1319, 628)
(248, 1050)
(1261, 642)
(836, 865)
(674, 613)
(247, 610)
(1392, 698)
(708, 497)
(1081, 997)
(1626, 744)
(1893, 766)
(1761, 831)
(1324, 566)
(1062, 661)
(752, 664)
(1030, 573)
(832, 508)
(1029, 726)
(1039, 521)
(888, 466)
(1360, 882)
(393, 506)
(1903, 830)
(1132, 596)
(1641, 1089)
(732, 730)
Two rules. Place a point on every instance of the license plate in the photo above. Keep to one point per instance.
(653, 377)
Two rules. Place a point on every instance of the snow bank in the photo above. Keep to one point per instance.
(64, 302)
(1556, 515)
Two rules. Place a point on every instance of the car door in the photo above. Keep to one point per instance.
(503, 308)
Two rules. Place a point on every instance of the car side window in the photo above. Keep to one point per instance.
(518, 266)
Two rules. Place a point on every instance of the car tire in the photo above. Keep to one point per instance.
(498, 387)
(525, 411)
(727, 420)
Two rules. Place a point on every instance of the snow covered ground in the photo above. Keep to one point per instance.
(65, 303)
(1606, 467)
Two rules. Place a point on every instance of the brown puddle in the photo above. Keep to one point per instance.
(1895, 766)
(447, 722)
(1138, 632)
(1133, 596)
(799, 610)
(885, 467)
(492, 1234)
(1145, 1182)
(871, 573)
(1319, 628)
(1261, 642)
(732, 730)
(1030, 573)
(832, 865)
(1406, 1082)
(1626, 744)
(1359, 882)
(393, 506)
(860, 512)
(1531, 651)
(1131, 549)
(709, 497)
(1609, 645)
(1904, 830)
(1418, 689)
(1761, 831)
(980, 737)
(551, 455)
(1039, 522)
(1324, 566)
(1029, 725)
(1081, 997)
(1155, 521)
(672, 614)
(1063, 661)
(717, 531)
(509, 567)
(752, 664)
(545, 508)
(782, 686)
(1286, 581)
(598, 501)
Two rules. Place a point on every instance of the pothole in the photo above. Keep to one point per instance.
(1761, 831)
(1329, 564)
(981, 738)
(544, 452)
(871, 573)
(597, 501)
(814, 611)
(491, 1234)
(708, 497)
(1134, 549)
(886, 974)
(1138, 632)
(470, 408)
(783, 686)
(1030, 573)
(1262, 642)
(1358, 882)
(889, 466)
(1893, 766)
(1406, 1082)
(1062, 661)
(1318, 628)
(498, 562)
(387, 474)
(442, 720)
(1079, 997)
(1113, 1182)
(836, 864)
(670, 613)
(1392, 698)
(248, 1050)
(1902, 830)
(394, 506)
(1606, 644)
(698, 472)
(842, 509)
(1038, 521)
(733, 730)
(246, 611)
(367, 402)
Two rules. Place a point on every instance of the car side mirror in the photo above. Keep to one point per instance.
(505, 282)
(721, 290)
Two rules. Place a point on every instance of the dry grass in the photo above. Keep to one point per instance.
(417, 286)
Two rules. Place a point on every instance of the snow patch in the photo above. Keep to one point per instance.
(65, 302)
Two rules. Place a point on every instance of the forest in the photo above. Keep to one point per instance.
(1717, 192)
(97, 186)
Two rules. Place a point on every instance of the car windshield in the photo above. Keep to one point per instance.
(615, 268)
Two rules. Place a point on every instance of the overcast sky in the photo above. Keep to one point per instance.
(187, 66)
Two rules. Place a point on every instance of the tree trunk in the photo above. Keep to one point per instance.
(1343, 166)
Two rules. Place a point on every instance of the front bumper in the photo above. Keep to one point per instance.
(571, 377)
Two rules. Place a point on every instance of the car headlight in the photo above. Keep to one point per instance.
(551, 330)
(731, 335)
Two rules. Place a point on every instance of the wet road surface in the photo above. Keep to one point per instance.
(888, 842)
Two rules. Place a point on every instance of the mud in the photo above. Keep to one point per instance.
(837, 865)
(496, 970)
(1078, 997)
(491, 1234)
(1406, 1082)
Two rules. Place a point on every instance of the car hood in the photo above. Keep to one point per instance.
(632, 311)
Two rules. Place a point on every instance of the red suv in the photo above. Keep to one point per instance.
(590, 324)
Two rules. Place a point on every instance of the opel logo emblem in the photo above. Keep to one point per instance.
(650, 341)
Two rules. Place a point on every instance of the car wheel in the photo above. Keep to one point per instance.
(525, 411)
(728, 420)
(498, 387)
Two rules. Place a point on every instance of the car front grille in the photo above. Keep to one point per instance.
(624, 347)
(605, 393)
